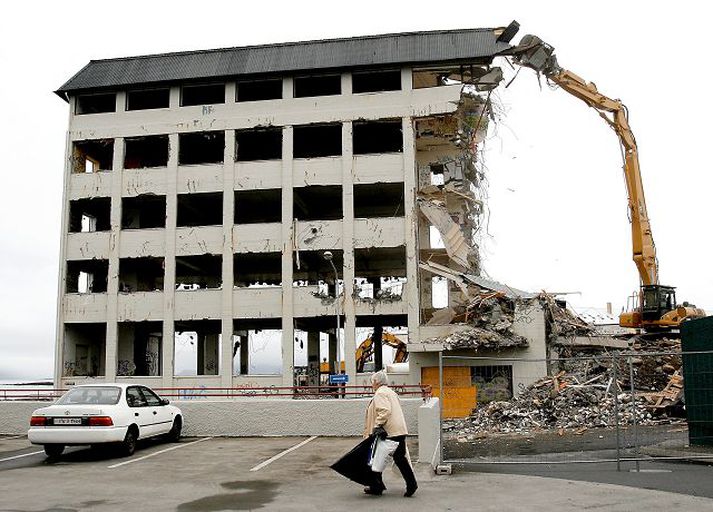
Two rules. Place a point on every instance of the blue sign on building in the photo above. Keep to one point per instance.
(338, 379)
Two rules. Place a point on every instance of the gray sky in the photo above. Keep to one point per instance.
(557, 198)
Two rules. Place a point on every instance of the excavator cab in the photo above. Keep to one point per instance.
(657, 300)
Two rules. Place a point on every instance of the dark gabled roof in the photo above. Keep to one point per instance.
(354, 52)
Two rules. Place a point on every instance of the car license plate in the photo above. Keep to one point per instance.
(68, 421)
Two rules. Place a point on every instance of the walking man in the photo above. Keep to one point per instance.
(385, 419)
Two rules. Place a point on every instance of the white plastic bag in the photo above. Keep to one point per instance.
(381, 453)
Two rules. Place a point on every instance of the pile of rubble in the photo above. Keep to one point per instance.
(487, 322)
(582, 395)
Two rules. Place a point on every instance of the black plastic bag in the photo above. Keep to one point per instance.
(355, 464)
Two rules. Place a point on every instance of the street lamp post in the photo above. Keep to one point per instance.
(330, 258)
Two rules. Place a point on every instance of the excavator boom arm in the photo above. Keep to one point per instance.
(532, 52)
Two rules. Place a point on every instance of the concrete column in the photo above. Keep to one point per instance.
(207, 354)
(61, 278)
(226, 369)
(332, 351)
(169, 280)
(410, 219)
(406, 79)
(244, 354)
(346, 83)
(112, 294)
(288, 90)
(313, 358)
(347, 302)
(288, 334)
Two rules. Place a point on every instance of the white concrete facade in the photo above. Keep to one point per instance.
(85, 315)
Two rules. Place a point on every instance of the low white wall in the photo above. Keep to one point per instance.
(429, 424)
(248, 417)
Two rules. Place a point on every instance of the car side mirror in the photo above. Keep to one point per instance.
(164, 401)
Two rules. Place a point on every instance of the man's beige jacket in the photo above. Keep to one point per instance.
(385, 410)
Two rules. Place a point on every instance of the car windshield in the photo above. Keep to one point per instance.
(100, 395)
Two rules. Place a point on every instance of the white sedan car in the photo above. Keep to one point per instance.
(104, 413)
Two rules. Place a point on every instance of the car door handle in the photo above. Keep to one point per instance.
(136, 414)
(154, 412)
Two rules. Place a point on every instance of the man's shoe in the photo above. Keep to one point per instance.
(373, 492)
(410, 491)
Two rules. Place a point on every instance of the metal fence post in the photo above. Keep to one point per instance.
(616, 411)
(633, 410)
(440, 407)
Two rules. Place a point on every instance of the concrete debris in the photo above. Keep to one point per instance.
(451, 233)
(581, 395)
(489, 317)
(478, 338)
(561, 322)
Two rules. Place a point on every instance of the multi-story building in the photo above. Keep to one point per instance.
(210, 198)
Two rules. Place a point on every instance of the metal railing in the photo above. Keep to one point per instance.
(190, 393)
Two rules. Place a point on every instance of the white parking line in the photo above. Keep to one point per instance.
(157, 453)
(6, 438)
(282, 454)
(20, 456)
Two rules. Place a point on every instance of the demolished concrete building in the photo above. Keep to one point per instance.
(203, 189)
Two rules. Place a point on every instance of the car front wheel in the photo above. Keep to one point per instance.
(128, 445)
(54, 450)
(174, 435)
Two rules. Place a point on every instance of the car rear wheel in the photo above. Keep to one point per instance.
(174, 435)
(53, 450)
(128, 445)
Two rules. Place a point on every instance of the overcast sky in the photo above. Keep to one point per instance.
(557, 204)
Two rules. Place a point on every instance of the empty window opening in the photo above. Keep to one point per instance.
(141, 152)
(139, 349)
(315, 350)
(200, 209)
(141, 274)
(147, 99)
(95, 103)
(434, 238)
(201, 148)
(438, 174)
(312, 269)
(257, 269)
(317, 140)
(197, 348)
(143, 212)
(84, 350)
(318, 202)
(326, 85)
(90, 156)
(378, 137)
(439, 292)
(376, 81)
(258, 144)
(257, 346)
(379, 200)
(199, 272)
(257, 90)
(380, 272)
(87, 215)
(493, 383)
(381, 340)
(87, 276)
(202, 94)
(453, 75)
(258, 206)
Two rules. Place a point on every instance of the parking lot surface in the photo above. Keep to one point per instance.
(214, 474)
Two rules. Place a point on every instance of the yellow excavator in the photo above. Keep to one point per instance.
(366, 349)
(653, 307)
